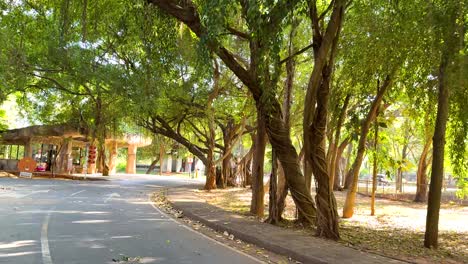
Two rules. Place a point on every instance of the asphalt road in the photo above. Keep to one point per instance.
(57, 221)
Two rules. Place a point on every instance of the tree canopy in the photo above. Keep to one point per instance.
(304, 78)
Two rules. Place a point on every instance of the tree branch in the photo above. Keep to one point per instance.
(238, 33)
(58, 85)
(187, 13)
(324, 13)
(297, 53)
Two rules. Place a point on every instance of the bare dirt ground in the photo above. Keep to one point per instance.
(397, 229)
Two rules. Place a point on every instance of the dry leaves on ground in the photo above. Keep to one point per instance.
(397, 230)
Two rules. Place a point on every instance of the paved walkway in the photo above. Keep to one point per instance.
(301, 247)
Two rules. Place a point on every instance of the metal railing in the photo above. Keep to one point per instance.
(406, 192)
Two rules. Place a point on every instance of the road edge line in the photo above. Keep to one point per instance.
(201, 234)
(45, 250)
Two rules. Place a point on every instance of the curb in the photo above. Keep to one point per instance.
(248, 238)
(59, 177)
(83, 178)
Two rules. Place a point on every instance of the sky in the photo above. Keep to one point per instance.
(13, 118)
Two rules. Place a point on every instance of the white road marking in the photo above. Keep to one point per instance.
(16, 195)
(73, 194)
(46, 259)
(203, 235)
(91, 221)
(111, 196)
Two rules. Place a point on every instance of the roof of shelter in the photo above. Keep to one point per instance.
(55, 134)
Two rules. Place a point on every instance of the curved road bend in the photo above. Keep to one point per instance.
(67, 222)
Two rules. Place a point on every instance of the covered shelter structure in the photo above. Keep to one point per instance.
(63, 149)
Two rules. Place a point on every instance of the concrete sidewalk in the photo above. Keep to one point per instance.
(301, 247)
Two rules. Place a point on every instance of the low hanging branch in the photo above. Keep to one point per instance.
(238, 136)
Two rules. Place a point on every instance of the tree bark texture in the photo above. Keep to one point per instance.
(219, 177)
(257, 202)
(226, 171)
(374, 167)
(453, 39)
(100, 135)
(243, 168)
(287, 155)
(334, 146)
(282, 187)
(339, 171)
(210, 172)
(273, 209)
(316, 113)
(282, 193)
(210, 113)
(228, 175)
(348, 172)
(327, 214)
(421, 175)
(230, 133)
(437, 174)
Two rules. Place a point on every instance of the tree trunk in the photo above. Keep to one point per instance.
(257, 202)
(327, 214)
(226, 170)
(421, 175)
(348, 179)
(348, 173)
(453, 40)
(161, 158)
(103, 157)
(348, 209)
(282, 187)
(243, 169)
(219, 178)
(268, 108)
(282, 193)
(159, 126)
(229, 134)
(308, 175)
(334, 146)
(316, 113)
(399, 181)
(101, 137)
(374, 169)
(210, 169)
(248, 172)
(338, 162)
(273, 209)
(152, 166)
(210, 172)
(210, 112)
(287, 155)
(437, 173)
(307, 168)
